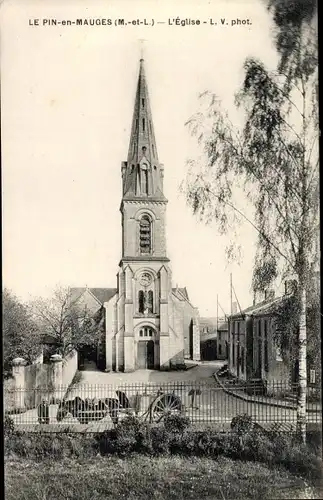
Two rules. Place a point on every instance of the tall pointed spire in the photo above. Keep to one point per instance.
(142, 173)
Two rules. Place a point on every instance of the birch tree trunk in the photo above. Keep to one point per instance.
(302, 370)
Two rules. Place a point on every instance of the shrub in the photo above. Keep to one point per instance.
(176, 423)
(250, 442)
(160, 440)
(144, 442)
(300, 460)
(246, 441)
(8, 426)
(130, 424)
(205, 443)
(229, 445)
(242, 424)
(258, 447)
(184, 443)
(38, 446)
(314, 442)
(129, 435)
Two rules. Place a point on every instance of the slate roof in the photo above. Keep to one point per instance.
(105, 294)
(102, 294)
(264, 307)
(183, 291)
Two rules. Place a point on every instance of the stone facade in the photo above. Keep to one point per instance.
(253, 352)
(149, 324)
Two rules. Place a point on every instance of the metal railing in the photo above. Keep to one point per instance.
(203, 402)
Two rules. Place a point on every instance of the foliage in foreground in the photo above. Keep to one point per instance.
(148, 478)
(245, 442)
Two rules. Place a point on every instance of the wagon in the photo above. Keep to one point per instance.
(150, 406)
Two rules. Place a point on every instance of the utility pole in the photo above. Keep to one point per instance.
(217, 325)
(231, 294)
(231, 348)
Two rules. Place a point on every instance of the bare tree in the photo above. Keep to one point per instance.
(68, 324)
(274, 159)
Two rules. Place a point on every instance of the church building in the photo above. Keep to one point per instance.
(148, 323)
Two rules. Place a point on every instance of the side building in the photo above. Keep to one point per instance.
(214, 338)
(255, 353)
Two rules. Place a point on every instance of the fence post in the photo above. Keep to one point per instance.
(57, 375)
(18, 372)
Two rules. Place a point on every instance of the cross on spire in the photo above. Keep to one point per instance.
(142, 41)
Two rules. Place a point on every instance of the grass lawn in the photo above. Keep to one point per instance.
(148, 478)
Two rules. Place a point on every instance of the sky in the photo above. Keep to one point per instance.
(67, 103)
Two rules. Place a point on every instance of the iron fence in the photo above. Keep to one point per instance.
(202, 402)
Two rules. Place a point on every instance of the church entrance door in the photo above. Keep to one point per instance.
(145, 357)
(150, 354)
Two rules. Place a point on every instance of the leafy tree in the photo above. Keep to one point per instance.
(273, 159)
(287, 327)
(65, 323)
(292, 19)
(21, 335)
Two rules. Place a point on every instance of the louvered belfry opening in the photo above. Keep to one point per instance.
(145, 234)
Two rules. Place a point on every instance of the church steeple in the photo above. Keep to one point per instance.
(142, 173)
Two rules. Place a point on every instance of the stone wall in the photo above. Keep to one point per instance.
(69, 368)
(33, 383)
(37, 376)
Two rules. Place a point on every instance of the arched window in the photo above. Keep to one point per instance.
(146, 332)
(141, 301)
(145, 302)
(145, 234)
(150, 305)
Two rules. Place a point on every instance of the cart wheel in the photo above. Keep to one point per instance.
(165, 404)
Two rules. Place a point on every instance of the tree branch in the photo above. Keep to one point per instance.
(251, 169)
(254, 226)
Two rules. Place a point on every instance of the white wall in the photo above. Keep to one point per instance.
(69, 368)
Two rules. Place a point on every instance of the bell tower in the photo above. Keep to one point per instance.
(142, 184)
(144, 278)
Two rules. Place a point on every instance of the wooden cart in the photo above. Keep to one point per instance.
(150, 406)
